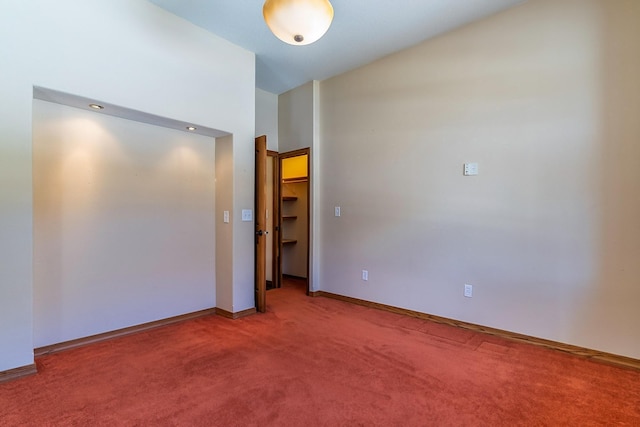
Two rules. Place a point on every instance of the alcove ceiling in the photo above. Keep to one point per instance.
(362, 31)
(50, 95)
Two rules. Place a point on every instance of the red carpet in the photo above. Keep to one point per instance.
(318, 362)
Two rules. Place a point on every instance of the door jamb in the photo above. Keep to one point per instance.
(276, 265)
(281, 156)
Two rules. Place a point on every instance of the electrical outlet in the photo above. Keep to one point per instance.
(365, 275)
(468, 290)
(225, 215)
(336, 211)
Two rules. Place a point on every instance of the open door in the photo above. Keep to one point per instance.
(261, 224)
(273, 220)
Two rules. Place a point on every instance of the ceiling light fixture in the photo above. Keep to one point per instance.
(191, 128)
(298, 22)
(96, 106)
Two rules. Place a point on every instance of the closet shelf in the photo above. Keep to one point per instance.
(288, 217)
(289, 198)
(295, 180)
(289, 241)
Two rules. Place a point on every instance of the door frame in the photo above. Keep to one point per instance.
(276, 275)
(281, 156)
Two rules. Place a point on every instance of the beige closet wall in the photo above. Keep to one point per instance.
(545, 97)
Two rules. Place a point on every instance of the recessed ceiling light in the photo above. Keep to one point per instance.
(191, 128)
(96, 106)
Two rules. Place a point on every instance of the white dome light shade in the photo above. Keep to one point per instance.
(298, 22)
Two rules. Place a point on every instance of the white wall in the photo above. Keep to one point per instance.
(123, 223)
(546, 98)
(128, 53)
(267, 117)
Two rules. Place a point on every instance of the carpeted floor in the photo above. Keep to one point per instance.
(318, 362)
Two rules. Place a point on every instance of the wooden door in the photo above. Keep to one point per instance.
(261, 224)
(274, 212)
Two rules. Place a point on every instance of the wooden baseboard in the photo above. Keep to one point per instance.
(21, 372)
(236, 315)
(599, 356)
(80, 342)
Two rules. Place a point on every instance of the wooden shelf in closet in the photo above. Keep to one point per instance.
(289, 241)
(289, 198)
(295, 180)
(289, 217)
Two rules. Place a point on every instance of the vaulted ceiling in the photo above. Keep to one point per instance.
(362, 31)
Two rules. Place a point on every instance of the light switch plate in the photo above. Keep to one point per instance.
(225, 216)
(337, 211)
(470, 169)
(247, 215)
(468, 290)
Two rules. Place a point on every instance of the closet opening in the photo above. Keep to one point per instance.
(294, 206)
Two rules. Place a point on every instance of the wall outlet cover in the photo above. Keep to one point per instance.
(468, 291)
(470, 169)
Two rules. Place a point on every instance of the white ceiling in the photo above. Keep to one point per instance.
(362, 31)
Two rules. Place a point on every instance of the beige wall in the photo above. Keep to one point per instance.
(295, 118)
(224, 231)
(546, 98)
(298, 127)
